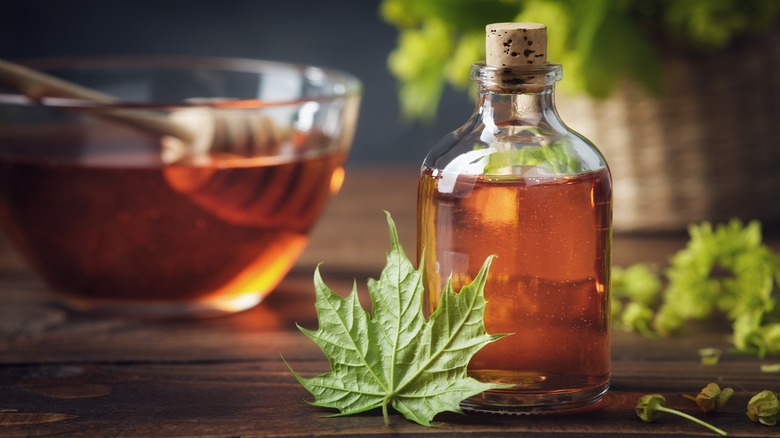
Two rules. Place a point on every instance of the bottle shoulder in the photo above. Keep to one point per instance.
(538, 148)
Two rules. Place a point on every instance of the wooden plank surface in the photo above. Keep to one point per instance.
(63, 373)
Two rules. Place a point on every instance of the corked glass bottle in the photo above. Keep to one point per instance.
(516, 182)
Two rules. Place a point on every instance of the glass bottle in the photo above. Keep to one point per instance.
(516, 182)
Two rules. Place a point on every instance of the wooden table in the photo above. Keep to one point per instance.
(63, 373)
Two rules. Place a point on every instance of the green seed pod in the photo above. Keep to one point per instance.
(647, 406)
(712, 398)
(764, 407)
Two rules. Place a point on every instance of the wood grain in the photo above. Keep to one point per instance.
(65, 373)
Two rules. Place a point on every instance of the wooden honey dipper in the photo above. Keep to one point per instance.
(188, 134)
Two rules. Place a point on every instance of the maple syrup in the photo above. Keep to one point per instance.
(547, 285)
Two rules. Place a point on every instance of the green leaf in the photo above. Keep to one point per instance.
(396, 356)
(418, 62)
(467, 14)
(711, 24)
(557, 158)
(608, 47)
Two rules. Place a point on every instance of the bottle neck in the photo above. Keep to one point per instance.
(517, 109)
(518, 96)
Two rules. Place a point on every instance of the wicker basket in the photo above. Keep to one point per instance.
(708, 148)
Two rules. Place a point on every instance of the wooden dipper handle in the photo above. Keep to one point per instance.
(37, 85)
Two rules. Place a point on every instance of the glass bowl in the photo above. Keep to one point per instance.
(186, 187)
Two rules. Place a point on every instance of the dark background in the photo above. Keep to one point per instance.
(344, 34)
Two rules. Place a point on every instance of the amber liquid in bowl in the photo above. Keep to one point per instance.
(122, 232)
(547, 285)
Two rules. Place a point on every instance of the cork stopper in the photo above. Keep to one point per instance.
(516, 44)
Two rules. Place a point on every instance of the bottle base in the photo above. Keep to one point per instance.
(536, 399)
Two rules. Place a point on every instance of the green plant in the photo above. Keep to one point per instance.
(598, 41)
(725, 269)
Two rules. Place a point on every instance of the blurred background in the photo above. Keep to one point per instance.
(681, 96)
(343, 34)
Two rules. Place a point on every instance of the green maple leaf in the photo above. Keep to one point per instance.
(396, 356)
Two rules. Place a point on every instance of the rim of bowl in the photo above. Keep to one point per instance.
(349, 86)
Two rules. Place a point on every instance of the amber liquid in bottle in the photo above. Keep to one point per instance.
(548, 285)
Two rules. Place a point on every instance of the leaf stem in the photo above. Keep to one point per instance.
(384, 412)
(720, 432)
